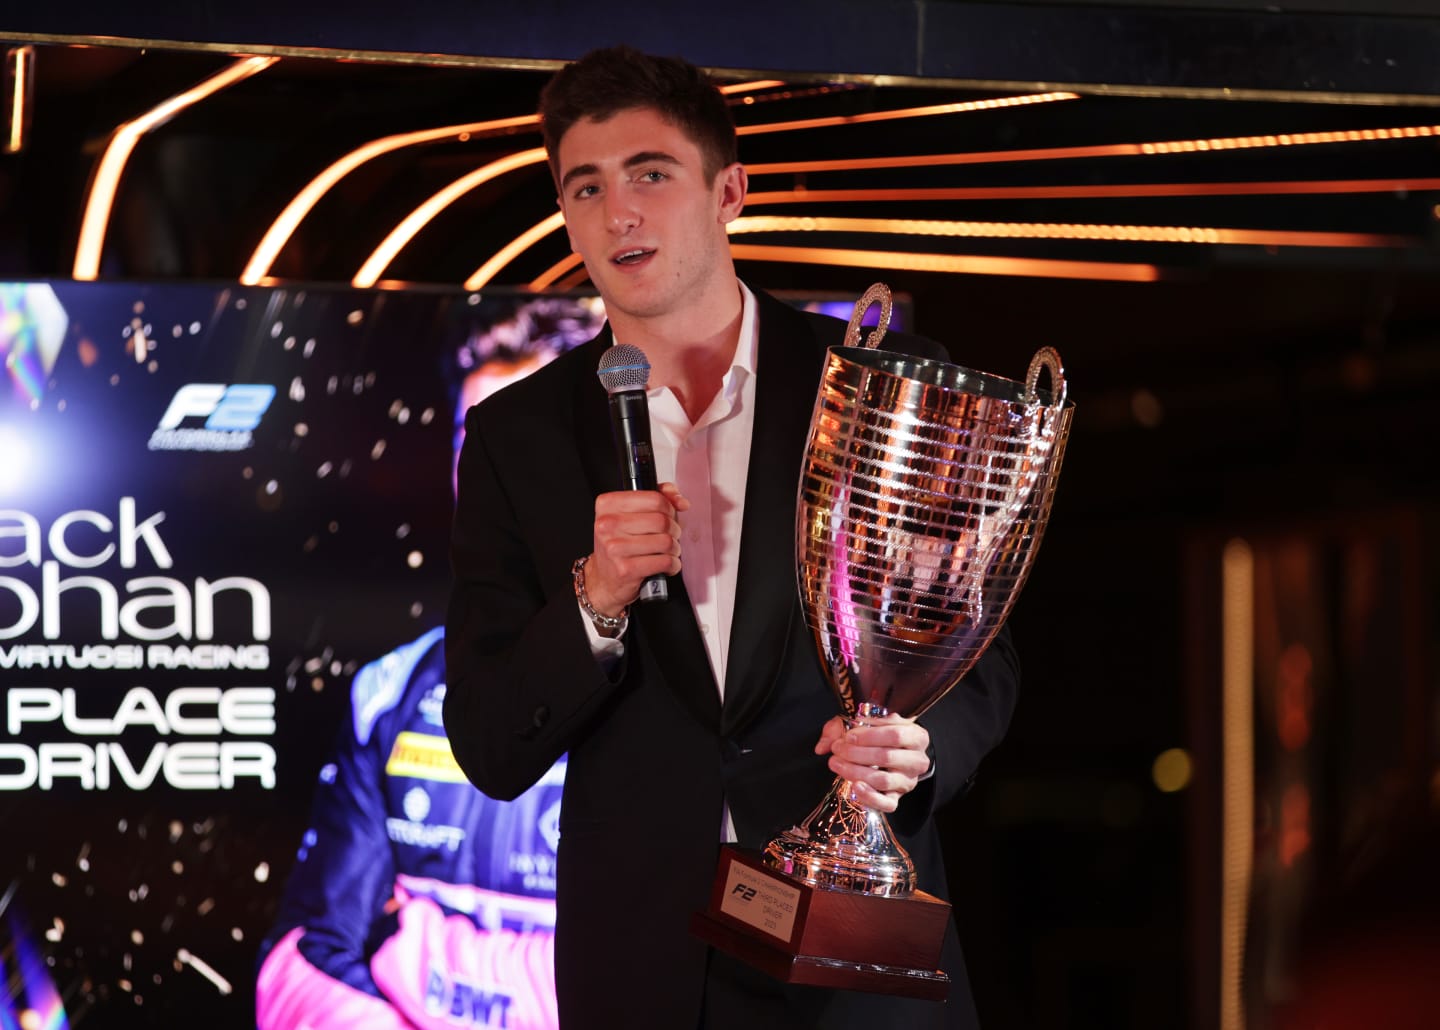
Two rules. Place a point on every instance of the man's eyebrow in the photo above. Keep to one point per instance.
(575, 173)
(646, 157)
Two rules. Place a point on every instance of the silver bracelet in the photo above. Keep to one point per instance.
(613, 623)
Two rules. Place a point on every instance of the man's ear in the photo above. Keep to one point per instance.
(733, 185)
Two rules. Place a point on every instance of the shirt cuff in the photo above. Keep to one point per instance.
(606, 650)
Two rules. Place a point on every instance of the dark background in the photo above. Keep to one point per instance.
(1277, 393)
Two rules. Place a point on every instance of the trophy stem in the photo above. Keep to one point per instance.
(843, 845)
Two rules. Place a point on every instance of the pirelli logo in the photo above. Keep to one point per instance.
(423, 757)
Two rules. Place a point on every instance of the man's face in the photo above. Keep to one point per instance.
(642, 214)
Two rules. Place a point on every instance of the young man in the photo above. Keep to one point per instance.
(691, 721)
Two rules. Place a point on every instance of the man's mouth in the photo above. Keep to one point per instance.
(630, 257)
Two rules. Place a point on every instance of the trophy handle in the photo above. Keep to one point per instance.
(1046, 359)
(877, 294)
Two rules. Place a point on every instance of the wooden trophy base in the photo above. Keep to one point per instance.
(826, 938)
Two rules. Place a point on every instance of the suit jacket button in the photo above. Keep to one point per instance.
(541, 716)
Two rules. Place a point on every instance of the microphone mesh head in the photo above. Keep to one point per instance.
(623, 367)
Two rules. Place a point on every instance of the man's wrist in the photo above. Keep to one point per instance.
(605, 625)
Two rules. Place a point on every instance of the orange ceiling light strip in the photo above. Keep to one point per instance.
(416, 220)
(280, 231)
(1064, 231)
(1098, 150)
(1013, 230)
(257, 269)
(106, 180)
(554, 272)
(513, 249)
(968, 264)
(1134, 190)
(907, 112)
(20, 75)
(574, 280)
(750, 87)
(375, 265)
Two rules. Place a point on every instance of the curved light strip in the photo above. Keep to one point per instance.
(1098, 150)
(750, 87)
(907, 112)
(555, 271)
(284, 226)
(970, 264)
(574, 280)
(111, 167)
(417, 219)
(280, 231)
(1133, 191)
(21, 72)
(1064, 231)
(514, 248)
(375, 265)
(403, 233)
(1014, 192)
(1130, 233)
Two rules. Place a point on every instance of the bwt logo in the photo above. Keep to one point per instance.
(746, 893)
(230, 413)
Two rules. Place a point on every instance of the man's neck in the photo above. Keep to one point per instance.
(689, 351)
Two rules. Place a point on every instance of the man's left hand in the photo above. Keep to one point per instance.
(885, 758)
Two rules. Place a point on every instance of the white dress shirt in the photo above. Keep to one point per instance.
(708, 461)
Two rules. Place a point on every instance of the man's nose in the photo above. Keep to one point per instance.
(620, 213)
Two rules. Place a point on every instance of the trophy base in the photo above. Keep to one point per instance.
(802, 934)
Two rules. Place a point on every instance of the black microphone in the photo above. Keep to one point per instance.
(625, 373)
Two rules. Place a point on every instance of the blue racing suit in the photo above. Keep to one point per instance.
(416, 901)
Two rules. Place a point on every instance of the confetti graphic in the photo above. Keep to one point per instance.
(233, 499)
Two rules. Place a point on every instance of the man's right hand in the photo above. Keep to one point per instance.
(637, 535)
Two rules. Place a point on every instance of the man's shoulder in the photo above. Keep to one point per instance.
(829, 331)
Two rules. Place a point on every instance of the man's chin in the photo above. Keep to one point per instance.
(630, 300)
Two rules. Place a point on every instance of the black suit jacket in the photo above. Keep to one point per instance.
(653, 753)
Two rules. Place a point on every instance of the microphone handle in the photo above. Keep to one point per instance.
(630, 424)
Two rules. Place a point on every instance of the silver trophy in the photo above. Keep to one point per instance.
(924, 493)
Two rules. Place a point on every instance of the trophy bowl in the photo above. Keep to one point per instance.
(923, 495)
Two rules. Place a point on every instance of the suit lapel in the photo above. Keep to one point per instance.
(766, 595)
(667, 630)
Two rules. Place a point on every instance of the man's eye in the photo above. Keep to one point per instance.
(653, 176)
(585, 191)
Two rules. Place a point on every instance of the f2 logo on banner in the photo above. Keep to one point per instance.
(235, 408)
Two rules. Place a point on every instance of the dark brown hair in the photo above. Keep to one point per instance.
(605, 82)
